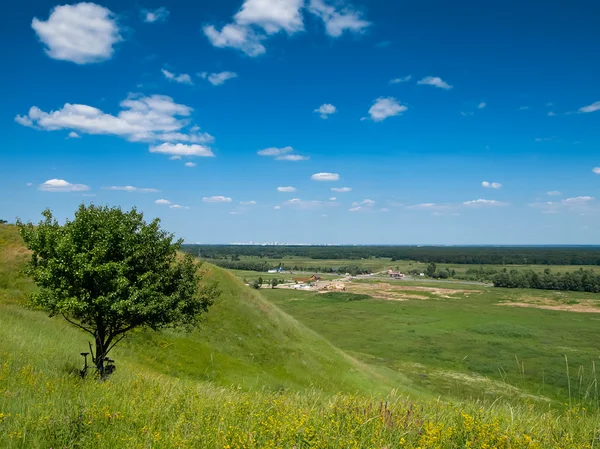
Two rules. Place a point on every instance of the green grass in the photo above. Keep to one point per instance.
(251, 377)
(453, 346)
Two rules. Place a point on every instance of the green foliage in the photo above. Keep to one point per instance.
(108, 272)
(579, 281)
(343, 296)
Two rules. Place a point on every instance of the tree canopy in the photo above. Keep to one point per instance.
(108, 272)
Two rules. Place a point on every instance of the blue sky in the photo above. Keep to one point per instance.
(394, 122)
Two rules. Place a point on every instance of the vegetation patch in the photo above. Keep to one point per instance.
(339, 296)
(505, 330)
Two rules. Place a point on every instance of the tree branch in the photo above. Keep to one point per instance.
(115, 343)
(78, 325)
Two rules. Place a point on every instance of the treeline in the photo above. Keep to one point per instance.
(252, 265)
(583, 255)
(577, 281)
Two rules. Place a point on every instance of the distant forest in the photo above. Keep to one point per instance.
(518, 255)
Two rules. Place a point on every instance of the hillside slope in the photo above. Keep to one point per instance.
(243, 341)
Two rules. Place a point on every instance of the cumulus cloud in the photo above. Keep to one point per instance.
(282, 154)
(82, 33)
(177, 206)
(190, 164)
(297, 203)
(181, 149)
(596, 170)
(131, 189)
(236, 36)
(286, 189)
(325, 177)
(182, 78)
(491, 185)
(141, 119)
(248, 203)
(277, 207)
(60, 185)
(74, 135)
(162, 201)
(482, 202)
(216, 79)
(402, 79)
(337, 21)
(217, 199)
(365, 205)
(325, 110)
(385, 107)
(258, 19)
(579, 204)
(155, 15)
(275, 151)
(333, 198)
(435, 81)
(481, 105)
(590, 108)
(341, 189)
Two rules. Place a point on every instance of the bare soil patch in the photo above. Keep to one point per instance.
(579, 308)
(404, 292)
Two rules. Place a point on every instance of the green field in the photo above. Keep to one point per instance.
(383, 264)
(452, 346)
(301, 370)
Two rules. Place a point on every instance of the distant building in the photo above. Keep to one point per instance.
(395, 275)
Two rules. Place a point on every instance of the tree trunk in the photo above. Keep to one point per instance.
(100, 354)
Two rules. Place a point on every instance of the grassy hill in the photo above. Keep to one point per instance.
(250, 377)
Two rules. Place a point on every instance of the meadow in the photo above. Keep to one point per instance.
(255, 375)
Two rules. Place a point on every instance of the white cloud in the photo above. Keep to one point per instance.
(155, 15)
(466, 114)
(333, 198)
(60, 185)
(182, 78)
(248, 203)
(131, 189)
(275, 151)
(491, 185)
(272, 15)
(341, 189)
(286, 189)
(554, 193)
(292, 157)
(481, 105)
(235, 36)
(551, 114)
(365, 205)
(337, 21)
(175, 158)
(258, 19)
(177, 206)
(385, 107)
(190, 164)
(523, 108)
(216, 199)
(181, 149)
(297, 203)
(216, 79)
(591, 107)
(596, 170)
(24, 120)
(82, 33)
(147, 119)
(356, 209)
(277, 207)
(435, 81)
(74, 135)
(29, 184)
(482, 202)
(325, 110)
(366, 202)
(402, 79)
(325, 177)
(579, 204)
(162, 201)
(282, 154)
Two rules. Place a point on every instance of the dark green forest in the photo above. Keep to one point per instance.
(502, 255)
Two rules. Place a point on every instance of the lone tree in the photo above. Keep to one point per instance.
(108, 272)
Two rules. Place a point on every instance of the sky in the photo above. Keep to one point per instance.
(308, 121)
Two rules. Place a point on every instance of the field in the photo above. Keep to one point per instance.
(462, 343)
(284, 369)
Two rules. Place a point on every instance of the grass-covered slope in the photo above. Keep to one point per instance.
(243, 341)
